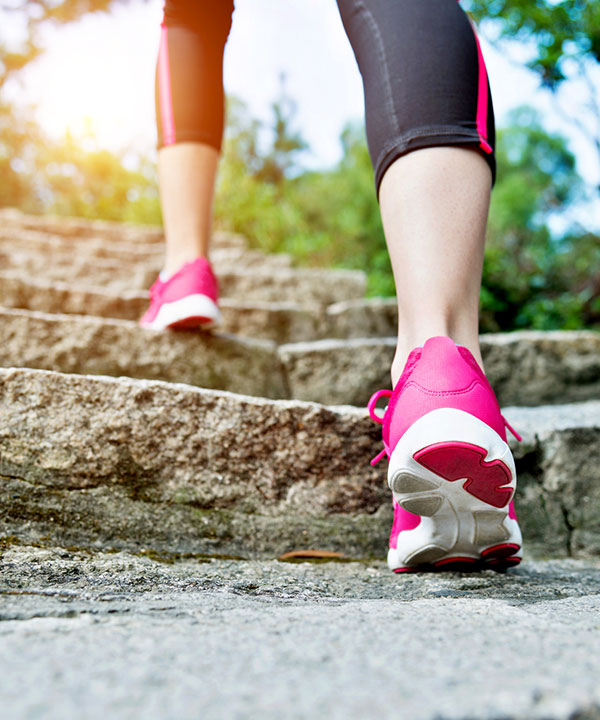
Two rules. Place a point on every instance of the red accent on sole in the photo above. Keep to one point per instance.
(500, 552)
(457, 564)
(503, 565)
(190, 323)
(458, 460)
(458, 559)
(499, 560)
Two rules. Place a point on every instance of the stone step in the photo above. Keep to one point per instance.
(79, 228)
(280, 322)
(106, 463)
(113, 273)
(266, 283)
(120, 256)
(525, 367)
(99, 346)
(277, 321)
(364, 318)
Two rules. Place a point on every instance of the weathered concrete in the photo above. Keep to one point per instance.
(80, 228)
(129, 464)
(525, 368)
(32, 252)
(33, 242)
(98, 346)
(365, 318)
(338, 371)
(131, 637)
(303, 286)
(537, 367)
(280, 322)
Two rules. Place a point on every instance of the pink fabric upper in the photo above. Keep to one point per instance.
(440, 375)
(194, 278)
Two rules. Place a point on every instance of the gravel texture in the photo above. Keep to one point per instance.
(124, 636)
(121, 463)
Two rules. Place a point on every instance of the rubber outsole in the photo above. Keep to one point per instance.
(188, 313)
(461, 489)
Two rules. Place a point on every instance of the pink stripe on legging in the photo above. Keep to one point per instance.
(482, 100)
(164, 90)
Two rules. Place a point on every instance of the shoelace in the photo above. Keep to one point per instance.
(380, 419)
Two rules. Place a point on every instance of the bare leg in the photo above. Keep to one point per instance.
(186, 173)
(434, 205)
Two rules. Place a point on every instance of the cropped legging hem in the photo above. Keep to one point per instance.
(427, 137)
(424, 78)
(215, 141)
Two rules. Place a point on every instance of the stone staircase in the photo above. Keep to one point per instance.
(253, 440)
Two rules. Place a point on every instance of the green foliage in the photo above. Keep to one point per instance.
(565, 32)
(532, 279)
(73, 176)
(19, 136)
(564, 39)
(34, 14)
(94, 183)
(327, 218)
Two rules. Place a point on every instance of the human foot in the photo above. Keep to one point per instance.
(451, 470)
(186, 300)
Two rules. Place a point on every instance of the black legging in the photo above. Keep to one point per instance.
(424, 78)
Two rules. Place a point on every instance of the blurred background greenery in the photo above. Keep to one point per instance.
(535, 275)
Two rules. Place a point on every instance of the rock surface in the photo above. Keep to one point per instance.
(302, 286)
(98, 346)
(338, 372)
(280, 322)
(102, 462)
(551, 367)
(537, 367)
(283, 322)
(525, 368)
(131, 637)
(125, 256)
(364, 318)
(78, 229)
(139, 519)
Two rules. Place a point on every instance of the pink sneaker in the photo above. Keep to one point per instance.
(188, 299)
(442, 425)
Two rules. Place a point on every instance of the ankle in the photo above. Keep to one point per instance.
(407, 342)
(174, 263)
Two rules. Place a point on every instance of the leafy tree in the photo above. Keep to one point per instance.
(532, 279)
(34, 14)
(19, 134)
(280, 160)
(564, 36)
(94, 183)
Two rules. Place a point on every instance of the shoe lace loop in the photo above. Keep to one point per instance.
(512, 430)
(373, 402)
(379, 419)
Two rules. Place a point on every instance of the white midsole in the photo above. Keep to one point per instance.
(197, 305)
(453, 521)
